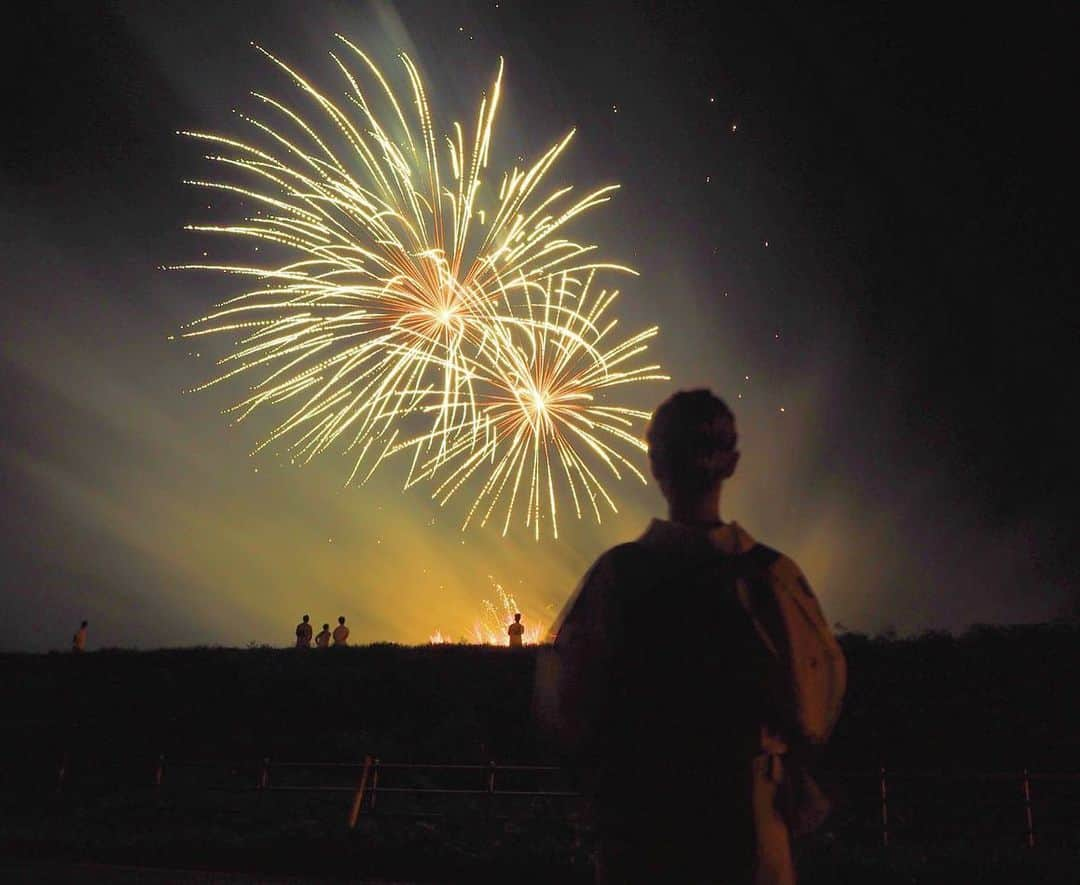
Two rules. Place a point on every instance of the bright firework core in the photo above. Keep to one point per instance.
(539, 399)
(407, 298)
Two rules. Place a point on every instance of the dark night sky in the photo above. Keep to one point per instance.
(907, 170)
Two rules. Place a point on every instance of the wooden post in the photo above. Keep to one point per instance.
(884, 811)
(61, 772)
(358, 799)
(1027, 810)
(159, 772)
(374, 784)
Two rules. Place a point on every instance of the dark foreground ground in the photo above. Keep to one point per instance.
(164, 766)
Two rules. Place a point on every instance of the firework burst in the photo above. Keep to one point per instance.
(543, 406)
(410, 294)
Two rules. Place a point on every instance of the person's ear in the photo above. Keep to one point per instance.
(660, 480)
(732, 462)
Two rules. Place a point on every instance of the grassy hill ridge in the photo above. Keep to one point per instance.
(996, 696)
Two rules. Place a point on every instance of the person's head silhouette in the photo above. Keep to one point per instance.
(692, 450)
(305, 619)
(85, 623)
(326, 626)
(517, 617)
(341, 620)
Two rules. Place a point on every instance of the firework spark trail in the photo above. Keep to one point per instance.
(403, 297)
(546, 370)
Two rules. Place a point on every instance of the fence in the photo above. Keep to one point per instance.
(898, 803)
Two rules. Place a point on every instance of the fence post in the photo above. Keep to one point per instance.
(358, 799)
(1027, 810)
(159, 772)
(264, 774)
(884, 811)
(491, 787)
(374, 784)
(61, 772)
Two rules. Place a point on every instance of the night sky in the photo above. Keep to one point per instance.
(850, 225)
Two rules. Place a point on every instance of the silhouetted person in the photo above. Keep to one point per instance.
(516, 631)
(694, 753)
(78, 641)
(323, 639)
(303, 633)
(341, 632)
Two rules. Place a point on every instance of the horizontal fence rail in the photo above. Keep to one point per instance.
(892, 803)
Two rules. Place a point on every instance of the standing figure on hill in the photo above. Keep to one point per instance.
(623, 686)
(303, 633)
(516, 631)
(323, 639)
(78, 641)
(341, 632)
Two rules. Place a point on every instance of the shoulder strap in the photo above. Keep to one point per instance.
(758, 559)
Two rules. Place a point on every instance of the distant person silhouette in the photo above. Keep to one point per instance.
(341, 632)
(516, 632)
(78, 641)
(694, 753)
(323, 639)
(303, 633)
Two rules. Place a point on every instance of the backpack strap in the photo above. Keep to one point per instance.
(759, 559)
(634, 558)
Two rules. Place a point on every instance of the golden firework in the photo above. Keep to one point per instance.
(407, 288)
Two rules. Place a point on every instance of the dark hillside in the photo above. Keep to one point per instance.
(993, 698)
(955, 720)
(439, 702)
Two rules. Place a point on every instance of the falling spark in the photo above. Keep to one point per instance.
(395, 324)
(491, 625)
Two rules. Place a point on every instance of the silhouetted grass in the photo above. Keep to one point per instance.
(995, 698)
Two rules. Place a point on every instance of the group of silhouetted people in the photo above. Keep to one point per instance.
(339, 638)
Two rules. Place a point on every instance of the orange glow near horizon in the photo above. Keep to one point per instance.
(491, 626)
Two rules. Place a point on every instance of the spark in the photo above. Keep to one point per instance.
(490, 626)
(393, 325)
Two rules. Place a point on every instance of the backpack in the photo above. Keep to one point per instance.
(688, 654)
